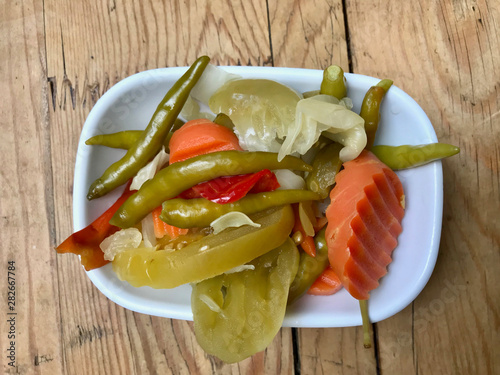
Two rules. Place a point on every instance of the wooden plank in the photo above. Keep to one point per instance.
(312, 35)
(30, 330)
(90, 46)
(308, 34)
(444, 55)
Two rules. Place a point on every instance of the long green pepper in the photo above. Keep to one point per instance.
(127, 138)
(124, 139)
(309, 268)
(370, 109)
(326, 165)
(177, 177)
(200, 212)
(151, 141)
(407, 156)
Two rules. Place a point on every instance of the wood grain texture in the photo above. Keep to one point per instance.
(443, 54)
(26, 206)
(59, 57)
(308, 34)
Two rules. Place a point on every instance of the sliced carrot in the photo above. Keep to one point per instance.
(307, 242)
(364, 221)
(162, 228)
(198, 137)
(326, 284)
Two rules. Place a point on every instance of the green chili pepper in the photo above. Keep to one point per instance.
(207, 257)
(177, 124)
(309, 268)
(177, 177)
(200, 212)
(127, 138)
(151, 141)
(333, 82)
(123, 140)
(406, 156)
(325, 165)
(370, 109)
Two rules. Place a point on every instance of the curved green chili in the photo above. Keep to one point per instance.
(200, 212)
(326, 165)
(123, 140)
(177, 177)
(333, 82)
(406, 156)
(370, 109)
(127, 138)
(151, 141)
(309, 268)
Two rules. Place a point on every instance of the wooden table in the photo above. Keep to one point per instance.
(58, 57)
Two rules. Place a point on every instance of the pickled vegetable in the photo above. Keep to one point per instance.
(309, 268)
(326, 165)
(333, 82)
(200, 212)
(323, 115)
(208, 257)
(261, 110)
(238, 315)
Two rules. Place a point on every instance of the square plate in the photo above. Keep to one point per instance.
(130, 104)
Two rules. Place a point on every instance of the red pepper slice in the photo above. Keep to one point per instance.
(232, 188)
(86, 241)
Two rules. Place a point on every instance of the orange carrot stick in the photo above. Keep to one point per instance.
(161, 228)
(308, 245)
(326, 284)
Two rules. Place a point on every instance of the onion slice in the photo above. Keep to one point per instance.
(232, 219)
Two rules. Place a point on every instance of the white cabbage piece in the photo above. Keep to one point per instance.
(261, 110)
(346, 102)
(289, 180)
(210, 81)
(122, 240)
(232, 219)
(191, 111)
(148, 231)
(149, 170)
(323, 113)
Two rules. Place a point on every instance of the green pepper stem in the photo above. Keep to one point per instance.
(367, 339)
(333, 82)
(385, 84)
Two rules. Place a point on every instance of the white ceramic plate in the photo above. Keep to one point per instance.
(129, 105)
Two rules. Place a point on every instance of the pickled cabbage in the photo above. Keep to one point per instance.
(262, 110)
(321, 114)
(232, 220)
